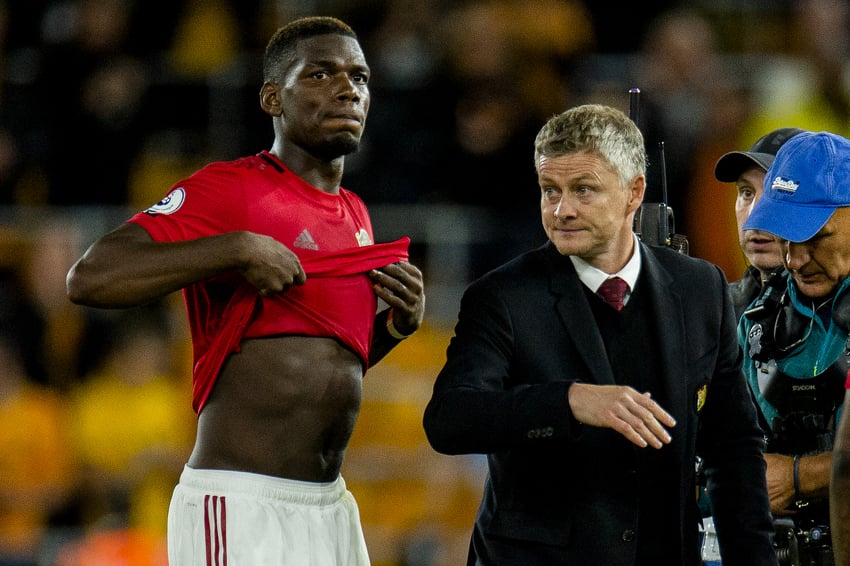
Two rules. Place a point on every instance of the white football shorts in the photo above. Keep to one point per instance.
(224, 518)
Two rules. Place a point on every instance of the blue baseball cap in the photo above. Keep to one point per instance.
(807, 182)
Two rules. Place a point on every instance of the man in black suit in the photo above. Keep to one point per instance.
(591, 416)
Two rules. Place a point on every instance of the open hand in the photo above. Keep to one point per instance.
(634, 415)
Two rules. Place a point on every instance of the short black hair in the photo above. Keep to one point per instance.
(282, 44)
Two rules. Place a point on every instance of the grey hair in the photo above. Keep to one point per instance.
(596, 129)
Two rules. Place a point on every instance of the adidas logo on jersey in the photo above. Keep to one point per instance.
(305, 241)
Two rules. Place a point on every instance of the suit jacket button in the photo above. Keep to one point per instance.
(629, 535)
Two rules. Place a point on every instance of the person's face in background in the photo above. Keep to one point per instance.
(762, 249)
(822, 262)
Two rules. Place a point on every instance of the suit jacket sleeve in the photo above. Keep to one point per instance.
(499, 389)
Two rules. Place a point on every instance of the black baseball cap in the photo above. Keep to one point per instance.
(732, 164)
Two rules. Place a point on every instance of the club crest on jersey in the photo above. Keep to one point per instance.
(170, 204)
(363, 238)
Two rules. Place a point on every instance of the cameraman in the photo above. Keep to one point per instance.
(795, 339)
(763, 250)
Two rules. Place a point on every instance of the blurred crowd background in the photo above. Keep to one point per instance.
(104, 104)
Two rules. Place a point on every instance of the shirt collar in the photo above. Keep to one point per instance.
(593, 277)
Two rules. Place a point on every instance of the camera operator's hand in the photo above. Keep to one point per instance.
(812, 478)
(780, 483)
(634, 415)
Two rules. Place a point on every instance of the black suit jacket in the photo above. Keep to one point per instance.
(557, 492)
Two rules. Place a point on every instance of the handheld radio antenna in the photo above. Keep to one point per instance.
(663, 164)
(653, 221)
(634, 105)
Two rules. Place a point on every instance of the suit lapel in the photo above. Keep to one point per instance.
(574, 312)
(666, 301)
(571, 305)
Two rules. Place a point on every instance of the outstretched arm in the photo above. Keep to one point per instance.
(127, 268)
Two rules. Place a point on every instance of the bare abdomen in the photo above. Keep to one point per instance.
(283, 406)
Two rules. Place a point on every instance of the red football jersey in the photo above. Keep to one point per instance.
(330, 234)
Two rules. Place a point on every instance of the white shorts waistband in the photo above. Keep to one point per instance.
(226, 482)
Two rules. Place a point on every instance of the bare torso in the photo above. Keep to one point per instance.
(283, 406)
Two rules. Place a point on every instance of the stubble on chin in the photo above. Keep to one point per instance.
(337, 147)
(568, 246)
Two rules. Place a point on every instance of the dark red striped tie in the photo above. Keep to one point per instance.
(613, 290)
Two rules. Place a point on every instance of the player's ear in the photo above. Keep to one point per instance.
(270, 98)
